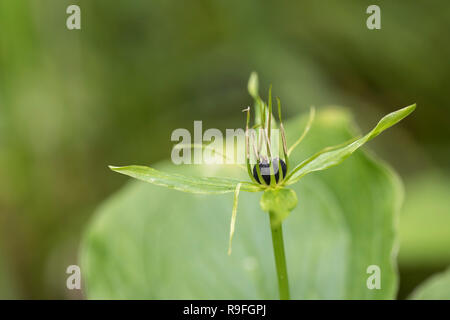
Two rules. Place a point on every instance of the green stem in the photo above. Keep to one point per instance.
(280, 258)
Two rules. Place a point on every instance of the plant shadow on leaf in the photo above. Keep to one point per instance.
(148, 242)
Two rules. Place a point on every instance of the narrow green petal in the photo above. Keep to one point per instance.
(312, 114)
(253, 85)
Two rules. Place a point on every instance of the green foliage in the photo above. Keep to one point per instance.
(152, 242)
(435, 288)
(333, 156)
(184, 183)
(73, 102)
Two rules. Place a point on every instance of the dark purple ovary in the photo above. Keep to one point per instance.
(264, 168)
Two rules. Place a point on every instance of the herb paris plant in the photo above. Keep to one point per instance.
(277, 199)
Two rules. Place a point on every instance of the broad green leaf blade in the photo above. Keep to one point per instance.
(326, 159)
(435, 288)
(185, 183)
(278, 201)
(152, 242)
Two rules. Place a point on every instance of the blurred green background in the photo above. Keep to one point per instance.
(72, 102)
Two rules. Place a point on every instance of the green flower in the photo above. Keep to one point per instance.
(276, 197)
(268, 173)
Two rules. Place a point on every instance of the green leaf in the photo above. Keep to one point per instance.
(435, 288)
(152, 242)
(280, 202)
(328, 158)
(185, 183)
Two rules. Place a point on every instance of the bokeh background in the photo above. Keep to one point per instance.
(72, 102)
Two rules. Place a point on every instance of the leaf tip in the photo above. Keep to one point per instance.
(253, 85)
(406, 111)
(411, 108)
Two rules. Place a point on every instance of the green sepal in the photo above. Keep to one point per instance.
(279, 203)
